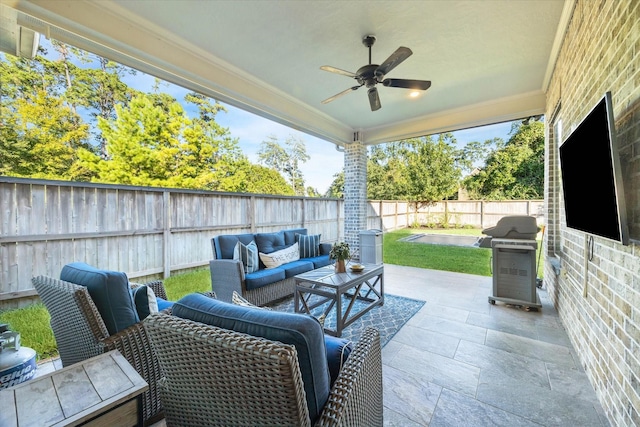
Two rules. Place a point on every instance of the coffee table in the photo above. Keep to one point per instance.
(328, 286)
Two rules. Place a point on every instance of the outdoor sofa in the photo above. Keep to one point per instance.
(239, 263)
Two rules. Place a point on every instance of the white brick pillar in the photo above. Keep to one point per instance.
(355, 193)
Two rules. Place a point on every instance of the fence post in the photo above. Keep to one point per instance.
(166, 235)
(252, 213)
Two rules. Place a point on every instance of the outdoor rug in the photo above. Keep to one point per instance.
(388, 318)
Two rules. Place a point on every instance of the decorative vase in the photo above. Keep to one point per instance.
(340, 266)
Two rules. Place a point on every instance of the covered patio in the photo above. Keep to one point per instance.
(488, 62)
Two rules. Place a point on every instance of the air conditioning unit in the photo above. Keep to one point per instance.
(14, 39)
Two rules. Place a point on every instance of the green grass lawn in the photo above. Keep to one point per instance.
(33, 322)
(459, 259)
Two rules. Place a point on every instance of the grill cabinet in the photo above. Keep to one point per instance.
(514, 262)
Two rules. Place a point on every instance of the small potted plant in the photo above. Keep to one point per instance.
(340, 252)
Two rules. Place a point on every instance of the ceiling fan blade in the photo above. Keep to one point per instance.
(393, 61)
(338, 95)
(374, 99)
(408, 84)
(337, 71)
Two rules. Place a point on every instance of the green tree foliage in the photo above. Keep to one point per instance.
(419, 169)
(39, 132)
(285, 159)
(336, 189)
(158, 145)
(514, 171)
(252, 178)
(139, 139)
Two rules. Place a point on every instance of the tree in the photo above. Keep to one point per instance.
(155, 146)
(285, 160)
(515, 171)
(252, 178)
(418, 169)
(336, 189)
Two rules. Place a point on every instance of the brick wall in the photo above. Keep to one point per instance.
(598, 299)
(355, 191)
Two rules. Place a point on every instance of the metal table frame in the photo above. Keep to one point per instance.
(332, 286)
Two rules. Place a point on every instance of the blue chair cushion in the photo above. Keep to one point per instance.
(226, 243)
(109, 291)
(338, 350)
(296, 267)
(263, 277)
(304, 332)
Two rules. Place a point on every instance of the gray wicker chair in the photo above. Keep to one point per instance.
(218, 377)
(81, 333)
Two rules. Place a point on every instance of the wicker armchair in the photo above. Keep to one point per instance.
(81, 333)
(215, 376)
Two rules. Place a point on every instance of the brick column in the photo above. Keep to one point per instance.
(355, 193)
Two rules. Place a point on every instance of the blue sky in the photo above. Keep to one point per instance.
(251, 130)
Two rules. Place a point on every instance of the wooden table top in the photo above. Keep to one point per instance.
(326, 276)
(71, 395)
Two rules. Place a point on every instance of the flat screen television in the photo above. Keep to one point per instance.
(592, 178)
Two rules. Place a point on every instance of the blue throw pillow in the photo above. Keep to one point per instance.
(109, 291)
(309, 245)
(163, 304)
(248, 254)
(145, 300)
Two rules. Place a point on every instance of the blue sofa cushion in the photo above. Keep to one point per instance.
(304, 332)
(270, 242)
(296, 267)
(109, 291)
(263, 277)
(226, 243)
(338, 349)
(319, 261)
(290, 235)
(309, 245)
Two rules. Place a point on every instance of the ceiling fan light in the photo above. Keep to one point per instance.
(414, 94)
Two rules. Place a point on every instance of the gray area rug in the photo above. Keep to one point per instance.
(388, 318)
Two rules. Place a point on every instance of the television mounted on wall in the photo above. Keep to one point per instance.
(592, 182)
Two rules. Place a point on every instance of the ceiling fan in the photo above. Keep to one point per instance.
(372, 74)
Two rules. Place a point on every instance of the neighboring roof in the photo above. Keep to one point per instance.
(488, 61)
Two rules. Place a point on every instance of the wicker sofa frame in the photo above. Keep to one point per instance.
(228, 378)
(80, 333)
(227, 276)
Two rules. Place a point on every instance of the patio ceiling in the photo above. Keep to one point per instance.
(488, 61)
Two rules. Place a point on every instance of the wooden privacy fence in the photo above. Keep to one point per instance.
(154, 232)
(392, 215)
(145, 232)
